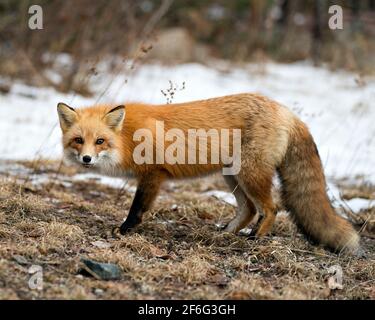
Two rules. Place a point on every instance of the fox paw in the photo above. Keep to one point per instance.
(253, 234)
(126, 227)
(117, 232)
(227, 227)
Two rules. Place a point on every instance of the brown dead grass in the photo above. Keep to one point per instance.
(176, 253)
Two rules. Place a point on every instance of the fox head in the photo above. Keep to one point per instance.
(91, 136)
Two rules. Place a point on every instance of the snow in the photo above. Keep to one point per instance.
(226, 197)
(116, 183)
(358, 204)
(339, 112)
(355, 205)
(19, 172)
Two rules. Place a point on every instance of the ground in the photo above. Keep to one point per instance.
(50, 218)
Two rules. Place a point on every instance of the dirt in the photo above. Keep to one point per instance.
(49, 219)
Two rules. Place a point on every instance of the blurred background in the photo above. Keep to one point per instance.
(163, 51)
(181, 31)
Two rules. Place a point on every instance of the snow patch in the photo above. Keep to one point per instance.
(339, 113)
(226, 197)
(355, 204)
(116, 183)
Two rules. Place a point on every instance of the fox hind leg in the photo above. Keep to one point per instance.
(258, 189)
(245, 208)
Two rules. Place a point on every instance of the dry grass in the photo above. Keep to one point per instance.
(177, 253)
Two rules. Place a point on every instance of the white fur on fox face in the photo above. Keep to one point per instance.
(72, 157)
(106, 162)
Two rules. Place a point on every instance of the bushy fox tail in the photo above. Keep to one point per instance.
(304, 194)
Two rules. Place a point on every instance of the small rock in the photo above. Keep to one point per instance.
(20, 259)
(98, 291)
(101, 271)
(101, 244)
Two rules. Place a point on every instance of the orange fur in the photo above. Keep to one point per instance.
(272, 140)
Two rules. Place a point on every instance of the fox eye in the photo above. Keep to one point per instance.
(78, 140)
(99, 141)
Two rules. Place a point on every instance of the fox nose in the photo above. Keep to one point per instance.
(86, 159)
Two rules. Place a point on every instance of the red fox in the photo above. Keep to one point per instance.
(273, 140)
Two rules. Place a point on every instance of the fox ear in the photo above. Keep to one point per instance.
(115, 118)
(67, 116)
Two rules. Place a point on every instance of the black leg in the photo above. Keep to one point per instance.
(147, 190)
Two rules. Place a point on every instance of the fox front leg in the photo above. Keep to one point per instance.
(146, 193)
